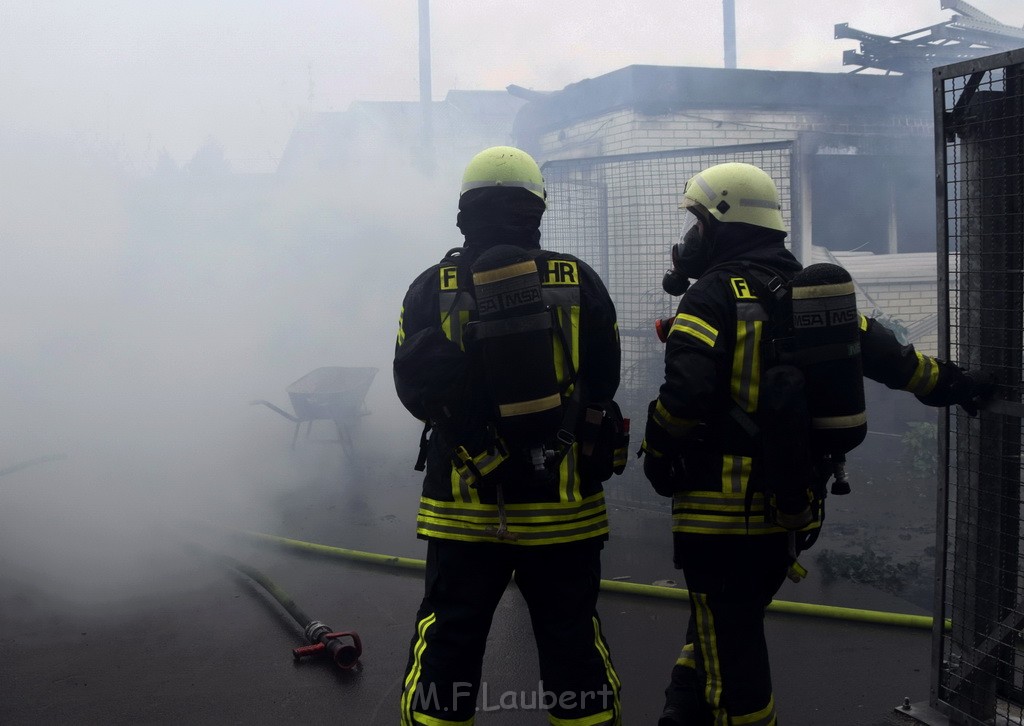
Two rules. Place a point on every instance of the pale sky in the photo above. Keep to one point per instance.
(167, 74)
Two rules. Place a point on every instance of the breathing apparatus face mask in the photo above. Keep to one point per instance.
(690, 256)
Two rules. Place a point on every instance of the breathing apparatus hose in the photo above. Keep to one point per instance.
(628, 588)
(343, 647)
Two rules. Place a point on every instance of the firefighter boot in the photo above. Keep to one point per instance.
(683, 703)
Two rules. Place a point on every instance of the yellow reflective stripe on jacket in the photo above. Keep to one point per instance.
(674, 425)
(863, 323)
(517, 512)
(692, 325)
(746, 356)
(565, 300)
(576, 532)
(926, 375)
(455, 310)
(533, 523)
(735, 473)
(569, 475)
(535, 405)
(720, 513)
(401, 326)
(725, 511)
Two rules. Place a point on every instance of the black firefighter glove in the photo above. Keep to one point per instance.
(663, 464)
(968, 389)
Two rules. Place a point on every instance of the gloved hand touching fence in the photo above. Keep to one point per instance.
(968, 389)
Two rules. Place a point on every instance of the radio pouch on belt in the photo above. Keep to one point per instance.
(603, 436)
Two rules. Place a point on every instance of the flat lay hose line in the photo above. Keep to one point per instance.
(627, 588)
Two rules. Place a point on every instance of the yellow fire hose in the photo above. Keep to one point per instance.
(629, 588)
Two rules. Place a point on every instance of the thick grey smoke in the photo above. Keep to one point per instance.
(142, 314)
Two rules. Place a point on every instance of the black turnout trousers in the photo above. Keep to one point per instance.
(464, 583)
(723, 672)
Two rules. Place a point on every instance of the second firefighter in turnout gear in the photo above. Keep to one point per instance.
(731, 436)
(510, 354)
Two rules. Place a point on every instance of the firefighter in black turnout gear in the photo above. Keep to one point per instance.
(758, 407)
(510, 355)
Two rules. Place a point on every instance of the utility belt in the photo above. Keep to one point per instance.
(601, 435)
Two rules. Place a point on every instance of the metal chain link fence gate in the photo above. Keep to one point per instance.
(978, 668)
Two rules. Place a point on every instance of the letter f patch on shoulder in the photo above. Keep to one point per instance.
(741, 289)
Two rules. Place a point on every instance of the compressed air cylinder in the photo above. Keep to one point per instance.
(513, 338)
(826, 347)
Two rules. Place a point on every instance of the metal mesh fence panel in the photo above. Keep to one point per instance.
(621, 215)
(978, 670)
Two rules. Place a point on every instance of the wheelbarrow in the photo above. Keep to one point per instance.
(333, 394)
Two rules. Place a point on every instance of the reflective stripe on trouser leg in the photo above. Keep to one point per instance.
(413, 694)
(684, 693)
(764, 717)
(735, 662)
(424, 720)
(708, 641)
(608, 717)
(686, 657)
(611, 713)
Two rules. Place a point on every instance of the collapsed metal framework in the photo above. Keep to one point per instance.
(969, 34)
(621, 215)
(978, 662)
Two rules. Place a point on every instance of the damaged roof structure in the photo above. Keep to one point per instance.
(969, 34)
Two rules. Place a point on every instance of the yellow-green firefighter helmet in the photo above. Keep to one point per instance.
(736, 192)
(503, 166)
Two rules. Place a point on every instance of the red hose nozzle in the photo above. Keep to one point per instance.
(344, 654)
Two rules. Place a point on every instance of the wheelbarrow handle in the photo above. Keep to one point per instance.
(272, 407)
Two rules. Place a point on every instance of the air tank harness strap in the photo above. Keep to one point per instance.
(796, 572)
(472, 469)
(769, 288)
(567, 431)
(421, 458)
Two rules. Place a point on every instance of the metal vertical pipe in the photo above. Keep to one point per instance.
(729, 27)
(426, 130)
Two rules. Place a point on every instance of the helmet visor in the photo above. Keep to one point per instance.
(690, 221)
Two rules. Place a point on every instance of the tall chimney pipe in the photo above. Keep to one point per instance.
(729, 27)
(426, 129)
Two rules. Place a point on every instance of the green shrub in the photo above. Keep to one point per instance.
(920, 446)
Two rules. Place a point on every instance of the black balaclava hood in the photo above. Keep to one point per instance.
(491, 216)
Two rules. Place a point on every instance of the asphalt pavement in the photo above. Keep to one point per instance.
(163, 635)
